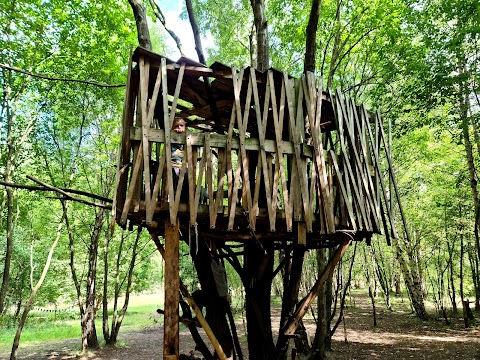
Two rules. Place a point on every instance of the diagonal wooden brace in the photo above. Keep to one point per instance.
(292, 324)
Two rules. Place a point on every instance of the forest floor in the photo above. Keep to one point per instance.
(398, 335)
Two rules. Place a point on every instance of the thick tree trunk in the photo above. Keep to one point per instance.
(261, 26)
(319, 346)
(311, 37)
(142, 25)
(215, 307)
(259, 326)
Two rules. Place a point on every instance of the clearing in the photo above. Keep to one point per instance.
(399, 335)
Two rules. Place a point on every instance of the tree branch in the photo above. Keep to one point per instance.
(94, 83)
(159, 15)
(42, 188)
(68, 196)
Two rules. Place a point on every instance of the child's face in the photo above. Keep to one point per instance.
(179, 127)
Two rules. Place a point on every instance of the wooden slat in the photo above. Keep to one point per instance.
(123, 150)
(373, 187)
(301, 233)
(313, 183)
(279, 162)
(222, 166)
(357, 196)
(168, 146)
(144, 78)
(366, 180)
(314, 112)
(191, 178)
(133, 185)
(229, 167)
(382, 185)
(209, 180)
(178, 86)
(297, 130)
(256, 192)
(262, 124)
(242, 127)
(390, 169)
(198, 188)
(274, 181)
(178, 191)
(347, 197)
(156, 186)
(237, 80)
(233, 203)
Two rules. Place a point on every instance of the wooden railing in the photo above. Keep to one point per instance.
(327, 180)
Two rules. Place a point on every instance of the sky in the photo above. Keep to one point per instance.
(171, 10)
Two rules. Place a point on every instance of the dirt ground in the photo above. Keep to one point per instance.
(398, 335)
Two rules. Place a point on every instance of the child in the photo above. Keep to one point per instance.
(177, 158)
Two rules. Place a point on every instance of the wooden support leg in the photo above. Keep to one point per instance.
(211, 336)
(172, 292)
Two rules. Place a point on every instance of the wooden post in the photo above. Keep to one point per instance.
(172, 291)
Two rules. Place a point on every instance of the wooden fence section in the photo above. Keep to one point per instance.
(289, 153)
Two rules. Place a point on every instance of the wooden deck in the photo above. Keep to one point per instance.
(268, 156)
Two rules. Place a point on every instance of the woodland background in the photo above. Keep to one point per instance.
(62, 72)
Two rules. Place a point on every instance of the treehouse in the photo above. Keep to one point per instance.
(270, 163)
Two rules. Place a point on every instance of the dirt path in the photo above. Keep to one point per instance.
(398, 335)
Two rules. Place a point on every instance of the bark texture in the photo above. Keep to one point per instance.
(261, 27)
(89, 333)
(143, 33)
(311, 36)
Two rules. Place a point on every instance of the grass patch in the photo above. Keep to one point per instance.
(39, 328)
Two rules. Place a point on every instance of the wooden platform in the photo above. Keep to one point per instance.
(268, 156)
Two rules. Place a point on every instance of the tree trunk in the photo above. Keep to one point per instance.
(89, 332)
(465, 304)
(105, 326)
(8, 250)
(215, 307)
(261, 26)
(311, 36)
(259, 326)
(9, 230)
(370, 277)
(28, 305)
(143, 33)
(452, 278)
(472, 256)
(413, 286)
(319, 343)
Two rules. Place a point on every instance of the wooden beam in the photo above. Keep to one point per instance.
(307, 300)
(172, 294)
(198, 313)
(220, 141)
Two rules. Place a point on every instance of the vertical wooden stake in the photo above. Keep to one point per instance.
(172, 291)
(302, 233)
